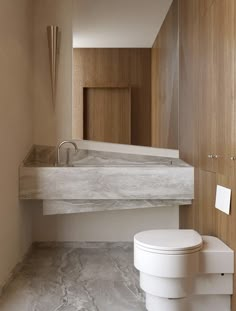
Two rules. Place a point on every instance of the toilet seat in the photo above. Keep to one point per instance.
(169, 242)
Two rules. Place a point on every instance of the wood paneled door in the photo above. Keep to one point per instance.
(107, 114)
(206, 97)
(216, 86)
(210, 99)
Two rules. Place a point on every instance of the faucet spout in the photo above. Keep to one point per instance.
(58, 160)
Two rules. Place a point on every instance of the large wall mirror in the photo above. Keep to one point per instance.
(112, 43)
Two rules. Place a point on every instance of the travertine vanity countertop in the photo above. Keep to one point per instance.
(105, 179)
(45, 157)
(58, 207)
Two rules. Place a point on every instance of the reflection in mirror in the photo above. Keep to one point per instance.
(112, 59)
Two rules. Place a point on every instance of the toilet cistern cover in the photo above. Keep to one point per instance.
(169, 240)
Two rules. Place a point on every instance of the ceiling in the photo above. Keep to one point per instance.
(117, 23)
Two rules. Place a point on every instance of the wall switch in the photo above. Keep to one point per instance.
(223, 197)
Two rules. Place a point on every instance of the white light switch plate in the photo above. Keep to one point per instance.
(223, 196)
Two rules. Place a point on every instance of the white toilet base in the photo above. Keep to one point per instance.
(184, 281)
(194, 303)
(202, 284)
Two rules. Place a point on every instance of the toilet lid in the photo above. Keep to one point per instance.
(169, 240)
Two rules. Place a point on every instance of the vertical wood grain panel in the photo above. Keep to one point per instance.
(216, 86)
(206, 213)
(107, 115)
(213, 26)
(204, 6)
(165, 72)
(115, 67)
(207, 92)
(188, 80)
(224, 81)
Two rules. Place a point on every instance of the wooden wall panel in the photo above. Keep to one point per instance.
(216, 86)
(205, 219)
(204, 6)
(115, 67)
(107, 115)
(165, 72)
(207, 92)
(188, 80)
(223, 45)
(207, 97)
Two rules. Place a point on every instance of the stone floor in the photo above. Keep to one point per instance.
(93, 277)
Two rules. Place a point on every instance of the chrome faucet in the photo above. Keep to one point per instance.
(58, 160)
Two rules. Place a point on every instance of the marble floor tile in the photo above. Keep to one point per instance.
(76, 279)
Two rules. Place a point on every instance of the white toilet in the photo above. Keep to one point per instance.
(181, 270)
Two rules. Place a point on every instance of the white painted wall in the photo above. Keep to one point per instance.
(52, 126)
(23, 48)
(117, 23)
(102, 226)
(15, 129)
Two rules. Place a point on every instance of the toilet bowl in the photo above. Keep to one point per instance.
(181, 270)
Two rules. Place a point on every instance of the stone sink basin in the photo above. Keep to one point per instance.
(101, 174)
